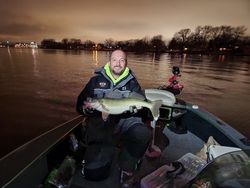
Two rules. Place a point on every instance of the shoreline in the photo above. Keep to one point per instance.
(172, 52)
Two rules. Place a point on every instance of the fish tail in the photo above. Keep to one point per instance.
(155, 109)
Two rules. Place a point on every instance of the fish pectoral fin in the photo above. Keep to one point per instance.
(134, 95)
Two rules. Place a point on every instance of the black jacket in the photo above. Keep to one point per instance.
(101, 86)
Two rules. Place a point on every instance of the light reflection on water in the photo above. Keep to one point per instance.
(39, 87)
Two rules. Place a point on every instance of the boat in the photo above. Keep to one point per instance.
(55, 158)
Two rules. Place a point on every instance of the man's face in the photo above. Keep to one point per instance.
(118, 63)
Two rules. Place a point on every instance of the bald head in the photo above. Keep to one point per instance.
(118, 53)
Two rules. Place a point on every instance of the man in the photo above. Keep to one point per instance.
(114, 80)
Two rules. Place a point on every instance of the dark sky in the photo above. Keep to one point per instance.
(97, 20)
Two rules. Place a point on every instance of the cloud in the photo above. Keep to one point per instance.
(116, 19)
(118, 26)
(21, 29)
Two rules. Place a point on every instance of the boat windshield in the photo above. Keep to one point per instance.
(229, 170)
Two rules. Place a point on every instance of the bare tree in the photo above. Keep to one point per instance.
(109, 43)
(182, 37)
(157, 43)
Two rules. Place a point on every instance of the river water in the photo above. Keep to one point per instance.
(38, 88)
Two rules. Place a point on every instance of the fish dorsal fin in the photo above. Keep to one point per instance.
(134, 95)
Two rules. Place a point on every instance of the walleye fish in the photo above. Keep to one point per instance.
(118, 106)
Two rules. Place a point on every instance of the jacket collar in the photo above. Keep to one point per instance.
(121, 77)
(121, 82)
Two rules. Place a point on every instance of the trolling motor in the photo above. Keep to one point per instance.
(173, 85)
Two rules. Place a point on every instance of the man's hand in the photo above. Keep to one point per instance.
(87, 107)
(133, 109)
(87, 103)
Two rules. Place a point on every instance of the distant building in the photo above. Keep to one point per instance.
(26, 45)
(2, 45)
(33, 45)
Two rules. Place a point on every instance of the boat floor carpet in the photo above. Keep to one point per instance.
(148, 165)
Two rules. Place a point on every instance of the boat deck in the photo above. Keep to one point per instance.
(170, 152)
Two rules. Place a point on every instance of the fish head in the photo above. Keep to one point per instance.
(92, 104)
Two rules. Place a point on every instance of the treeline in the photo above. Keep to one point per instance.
(204, 39)
(139, 45)
(211, 39)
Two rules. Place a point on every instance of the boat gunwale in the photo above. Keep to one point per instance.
(39, 154)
